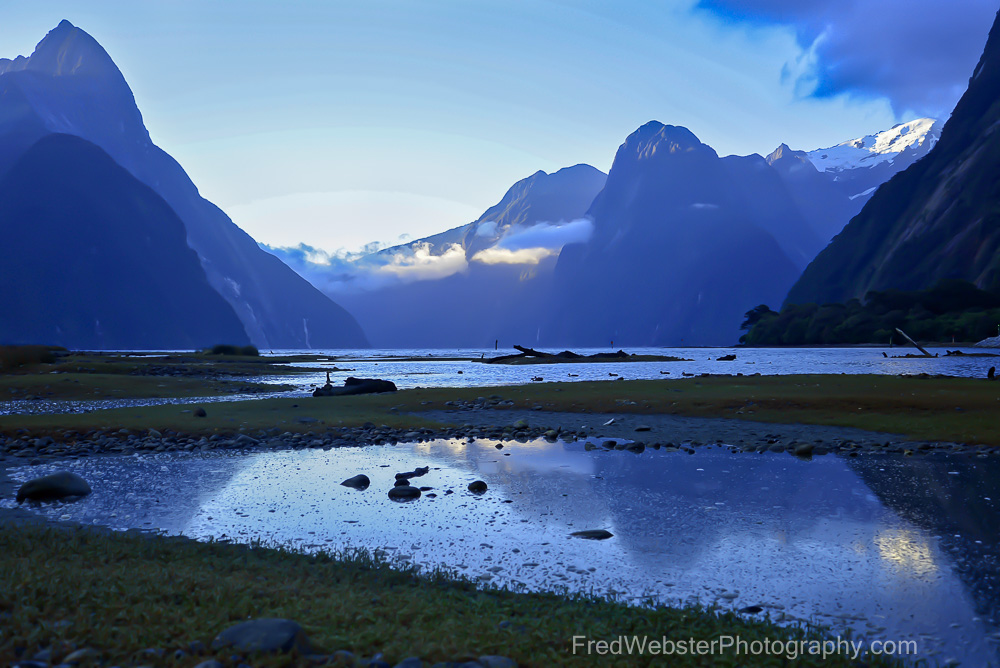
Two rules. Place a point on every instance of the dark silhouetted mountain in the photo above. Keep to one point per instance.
(674, 258)
(92, 258)
(940, 218)
(480, 302)
(70, 85)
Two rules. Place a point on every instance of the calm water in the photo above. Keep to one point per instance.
(437, 368)
(894, 548)
(433, 370)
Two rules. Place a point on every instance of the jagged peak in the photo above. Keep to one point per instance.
(654, 137)
(66, 51)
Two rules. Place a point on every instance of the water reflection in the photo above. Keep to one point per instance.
(894, 548)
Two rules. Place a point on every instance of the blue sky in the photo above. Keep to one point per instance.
(340, 123)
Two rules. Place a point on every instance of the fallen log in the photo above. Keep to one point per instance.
(915, 344)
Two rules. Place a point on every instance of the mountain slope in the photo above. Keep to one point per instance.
(70, 85)
(95, 259)
(498, 301)
(940, 218)
(673, 259)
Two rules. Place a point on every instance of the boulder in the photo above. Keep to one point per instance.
(61, 485)
(593, 534)
(477, 487)
(359, 481)
(355, 386)
(264, 635)
(405, 492)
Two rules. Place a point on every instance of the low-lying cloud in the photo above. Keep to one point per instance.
(530, 244)
(917, 53)
(376, 268)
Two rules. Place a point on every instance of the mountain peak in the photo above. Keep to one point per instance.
(66, 51)
(656, 138)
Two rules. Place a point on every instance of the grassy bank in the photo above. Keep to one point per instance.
(124, 594)
(89, 376)
(946, 409)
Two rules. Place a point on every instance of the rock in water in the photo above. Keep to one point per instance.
(405, 492)
(359, 481)
(477, 487)
(991, 374)
(61, 485)
(356, 386)
(264, 635)
(593, 534)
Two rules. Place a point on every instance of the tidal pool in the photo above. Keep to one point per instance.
(893, 548)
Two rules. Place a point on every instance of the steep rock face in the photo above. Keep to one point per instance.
(940, 218)
(482, 303)
(95, 259)
(674, 259)
(70, 85)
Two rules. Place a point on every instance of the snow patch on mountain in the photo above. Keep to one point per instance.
(864, 152)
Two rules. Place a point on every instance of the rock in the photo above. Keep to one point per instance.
(354, 385)
(477, 487)
(404, 493)
(494, 661)
(644, 427)
(593, 534)
(401, 482)
(411, 661)
(636, 447)
(360, 482)
(211, 663)
(521, 424)
(82, 656)
(551, 435)
(804, 450)
(264, 635)
(415, 473)
(61, 485)
(200, 412)
(588, 446)
(751, 609)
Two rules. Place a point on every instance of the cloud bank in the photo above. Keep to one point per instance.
(376, 268)
(917, 53)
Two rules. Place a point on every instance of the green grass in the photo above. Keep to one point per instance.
(122, 594)
(945, 409)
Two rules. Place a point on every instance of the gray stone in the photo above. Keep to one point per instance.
(264, 635)
(61, 485)
(593, 534)
(359, 481)
(405, 492)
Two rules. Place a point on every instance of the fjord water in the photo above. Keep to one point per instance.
(443, 368)
(891, 547)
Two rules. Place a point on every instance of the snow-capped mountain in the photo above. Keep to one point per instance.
(910, 141)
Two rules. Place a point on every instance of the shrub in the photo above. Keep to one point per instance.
(228, 349)
(14, 357)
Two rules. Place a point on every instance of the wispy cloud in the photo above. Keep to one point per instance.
(917, 53)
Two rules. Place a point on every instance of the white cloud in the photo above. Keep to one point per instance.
(497, 255)
(422, 265)
(487, 228)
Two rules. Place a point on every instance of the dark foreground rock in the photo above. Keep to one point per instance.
(264, 635)
(61, 485)
(355, 386)
(477, 487)
(593, 534)
(404, 493)
(360, 481)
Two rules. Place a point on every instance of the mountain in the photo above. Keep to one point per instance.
(940, 218)
(679, 251)
(861, 165)
(95, 259)
(494, 271)
(70, 85)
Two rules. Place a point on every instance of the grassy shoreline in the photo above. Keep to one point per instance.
(122, 594)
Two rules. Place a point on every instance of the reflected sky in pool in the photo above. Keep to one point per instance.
(895, 548)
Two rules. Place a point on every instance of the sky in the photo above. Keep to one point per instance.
(337, 124)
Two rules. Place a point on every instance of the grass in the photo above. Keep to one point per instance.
(124, 593)
(944, 409)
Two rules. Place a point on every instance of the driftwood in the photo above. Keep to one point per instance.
(355, 386)
(915, 344)
(564, 356)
